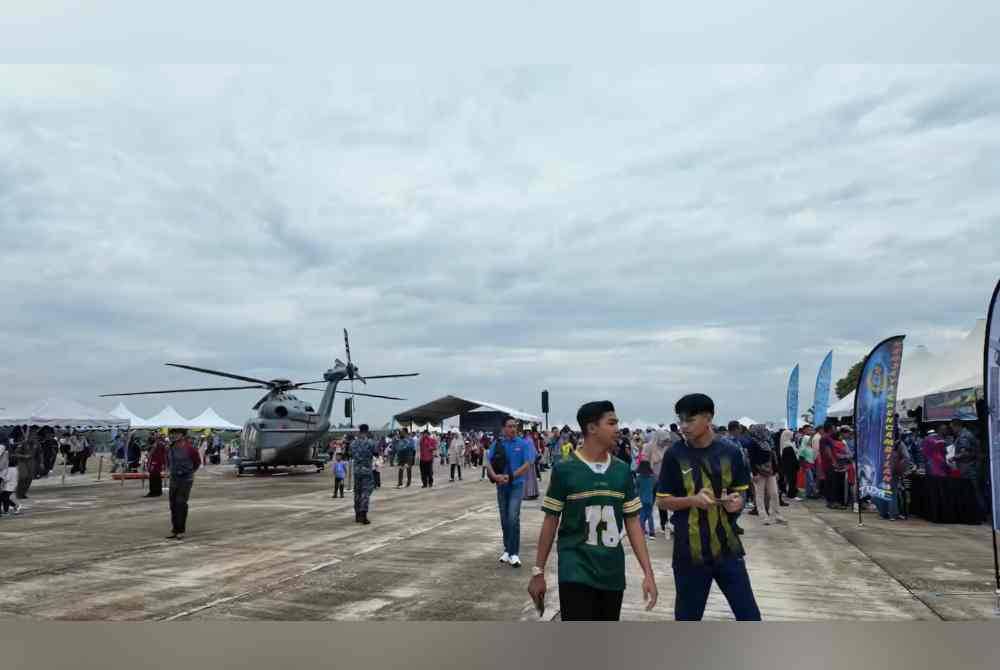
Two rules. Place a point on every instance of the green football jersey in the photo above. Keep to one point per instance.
(592, 506)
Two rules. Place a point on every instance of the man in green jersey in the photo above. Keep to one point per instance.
(591, 498)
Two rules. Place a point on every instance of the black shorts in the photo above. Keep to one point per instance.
(579, 602)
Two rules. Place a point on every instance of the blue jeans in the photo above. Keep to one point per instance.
(509, 506)
(810, 482)
(693, 584)
(646, 519)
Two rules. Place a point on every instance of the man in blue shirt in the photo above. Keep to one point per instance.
(520, 455)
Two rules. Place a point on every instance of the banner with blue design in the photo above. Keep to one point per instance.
(821, 398)
(991, 387)
(874, 422)
(792, 400)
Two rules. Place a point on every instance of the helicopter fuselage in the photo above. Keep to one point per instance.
(286, 428)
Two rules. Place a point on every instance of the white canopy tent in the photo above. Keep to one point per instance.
(746, 421)
(61, 412)
(209, 419)
(123, 412)
(923, 373)
(168, 418)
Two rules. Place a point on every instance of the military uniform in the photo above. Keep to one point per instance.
(363, 452)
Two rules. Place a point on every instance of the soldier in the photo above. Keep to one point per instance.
(363, 453)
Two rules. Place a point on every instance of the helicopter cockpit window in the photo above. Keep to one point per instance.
(309, 408)
(281, 411)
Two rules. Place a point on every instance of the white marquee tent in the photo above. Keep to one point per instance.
(168, 418)
(61, 412)
(123, 412)
(923, 373)
(209, 419)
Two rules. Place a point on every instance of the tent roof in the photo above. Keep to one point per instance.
(747, 421)
(438, 410)
(123, 412)
(168, 418)
(61, 412)
(209, 419)
(923, 373)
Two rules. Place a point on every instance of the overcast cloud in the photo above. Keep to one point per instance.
(630, 234)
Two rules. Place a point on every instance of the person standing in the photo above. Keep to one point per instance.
(363, 453)
(427, 448)
(456, 455)
(404, 450)
(967, 461)
(789, 463)
(25, 451)
(8, 481)
(339, 473)
(592, 503)
(701, 482)
(183, 460)
(662, 441)
(514, 455)
(155, 462)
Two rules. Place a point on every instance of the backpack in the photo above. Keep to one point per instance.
(498, 461)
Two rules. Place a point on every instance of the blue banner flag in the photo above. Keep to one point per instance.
(792, 417)
(821, 399)
(874, 418)
(991, 386)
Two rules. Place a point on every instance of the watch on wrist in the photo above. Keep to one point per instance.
(537, 571)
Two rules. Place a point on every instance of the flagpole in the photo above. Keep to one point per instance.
(990, 405)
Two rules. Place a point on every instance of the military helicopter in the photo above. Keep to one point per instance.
(286, 428)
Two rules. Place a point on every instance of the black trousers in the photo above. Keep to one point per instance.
(155, 484)
(427, 473)
(377, 477)
(579, 602)
(5, 503)
(791, 480)
(453, 468)
(180, 491)
(409, 474)
(338, 487)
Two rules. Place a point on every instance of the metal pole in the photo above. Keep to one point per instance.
(100, 467)
(63, 482)
(996, 573)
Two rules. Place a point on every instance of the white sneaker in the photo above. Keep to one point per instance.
(515, 561)
(504, 558)
(766, 521)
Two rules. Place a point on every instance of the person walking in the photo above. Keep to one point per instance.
(765, 480)
(363, 452)
(701, 482)
(591, 502)
(156, 460)
(789, 463)
(405, 451)
(183, 460)
(428, 445)
(507, 461)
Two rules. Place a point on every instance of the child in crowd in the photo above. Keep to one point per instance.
(339, 474)
(8, 481)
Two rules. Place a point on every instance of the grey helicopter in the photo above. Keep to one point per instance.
(286, 428)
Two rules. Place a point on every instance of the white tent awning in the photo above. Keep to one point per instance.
(61, 412)
(209, 419)
(168, 418)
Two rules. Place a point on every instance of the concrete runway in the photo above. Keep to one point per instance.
(279, 548)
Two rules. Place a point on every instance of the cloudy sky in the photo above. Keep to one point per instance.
(629, 234)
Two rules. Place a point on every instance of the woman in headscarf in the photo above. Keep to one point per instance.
(763, 462)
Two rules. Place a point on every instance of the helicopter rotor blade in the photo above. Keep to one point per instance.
(408, 374)
(221, 374)
(367, 395)
(197, 390)
(352, 371)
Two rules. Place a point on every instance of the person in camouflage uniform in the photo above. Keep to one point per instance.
(363, 452)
